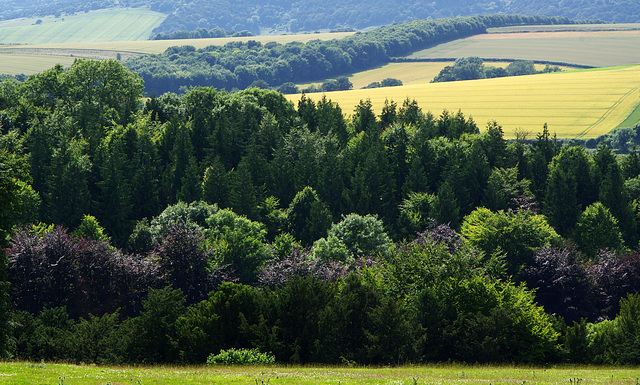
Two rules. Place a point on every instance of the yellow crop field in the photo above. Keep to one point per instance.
(579, 104)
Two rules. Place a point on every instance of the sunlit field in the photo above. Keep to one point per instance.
(578, 104)
(408, 73)
(15, 64)
(597, 49)
(27, 373)
(94, 26)
(159, 46)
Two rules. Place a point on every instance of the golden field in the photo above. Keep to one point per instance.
(578, 104)
(159, 46)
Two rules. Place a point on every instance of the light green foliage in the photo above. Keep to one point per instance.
(618, 341)
(284, 244)
(90, 228)
(597, 229)
(354, 236)
(193, 214)
(238, 242)
(515, 234)
(496, 320)
(415, 212)
(241, 357)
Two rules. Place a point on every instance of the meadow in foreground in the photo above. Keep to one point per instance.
(44, 373)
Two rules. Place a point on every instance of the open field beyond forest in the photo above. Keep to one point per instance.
(159, 46)
(29, 373)
(590, 48)
(409, 73)
(582, 104)
(94, 26)
(35, 58)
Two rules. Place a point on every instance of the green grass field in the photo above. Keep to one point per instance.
(95, 26)
(598, 49)
(576, 104)
(32, 374)
(15, 64)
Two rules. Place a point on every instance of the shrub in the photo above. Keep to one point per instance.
(241, 357)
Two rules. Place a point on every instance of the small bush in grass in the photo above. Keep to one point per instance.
(241, 357)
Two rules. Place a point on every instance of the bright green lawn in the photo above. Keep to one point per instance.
(120, 24)
(27, 373)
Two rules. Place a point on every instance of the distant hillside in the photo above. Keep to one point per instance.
(268, 16)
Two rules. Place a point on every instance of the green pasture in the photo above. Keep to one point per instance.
(41, 373)
(16, 64)
(574, 104)
(598, 49)
(120, 24)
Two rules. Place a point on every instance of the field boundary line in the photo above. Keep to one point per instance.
(610, 111)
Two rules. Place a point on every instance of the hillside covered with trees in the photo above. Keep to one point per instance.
(169, 231)
(238, 65)
(259, 16)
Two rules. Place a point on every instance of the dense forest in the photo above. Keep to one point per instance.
(167, 231)
(238, 65)
(259, 16)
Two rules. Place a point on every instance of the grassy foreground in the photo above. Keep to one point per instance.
(30, 373)
(580, 104)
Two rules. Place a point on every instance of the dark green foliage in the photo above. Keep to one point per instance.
(470, 68)
(219, 322)
(308, 217)
(151, 336)
(570, 188)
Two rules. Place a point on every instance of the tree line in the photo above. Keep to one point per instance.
(471, 68)
(239, 65)
(166, 231)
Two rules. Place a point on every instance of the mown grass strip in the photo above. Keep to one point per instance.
(574, 104)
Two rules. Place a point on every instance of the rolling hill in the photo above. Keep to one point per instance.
(94, 26)
(578, 104)
(270, 16)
